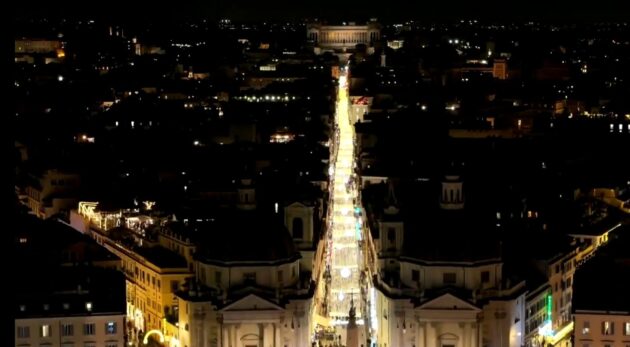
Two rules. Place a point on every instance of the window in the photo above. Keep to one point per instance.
(608, 328)
(485, 276)
(109, 344)
(298, 228)
(23, 332)
(558, 268)
(159, 284)
(45, 331)
(186, 327)
(280, 276)
(174, 286)
(67, 329)
(391, 235)
(586, 345)
(110, 328)
(88, 306)
(626, 328)
(449, 278)
(217, 277)
(586, 328)
(249, 277)
(89, 329)
(415, 275)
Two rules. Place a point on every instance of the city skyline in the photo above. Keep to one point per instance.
(216, 182)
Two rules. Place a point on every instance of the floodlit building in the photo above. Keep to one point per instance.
(435, 284)
(342, 38)
(155, 263)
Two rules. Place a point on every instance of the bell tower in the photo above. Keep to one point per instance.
(246, 194)
(452, 194)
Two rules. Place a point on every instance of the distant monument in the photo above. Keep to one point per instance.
(352, 334)
(342, 40)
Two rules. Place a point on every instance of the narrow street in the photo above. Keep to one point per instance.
(344, 255)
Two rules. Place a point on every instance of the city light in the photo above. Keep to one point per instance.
(152, 332)
(345, 260)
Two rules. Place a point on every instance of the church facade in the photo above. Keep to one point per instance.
(254, 278)
(428, 290)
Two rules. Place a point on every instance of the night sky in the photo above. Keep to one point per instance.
(332, 10)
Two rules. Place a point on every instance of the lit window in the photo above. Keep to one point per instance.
(88, 306)
(110, 328)
(608, 328)
(45, 331)
(626, 328)
(586, 328)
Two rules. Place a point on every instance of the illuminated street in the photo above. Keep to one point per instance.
(344, 259)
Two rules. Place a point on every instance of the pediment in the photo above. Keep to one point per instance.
(448, 302)
(252, 302)
(296, 204)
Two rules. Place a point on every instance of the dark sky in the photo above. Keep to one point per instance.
(334, 10)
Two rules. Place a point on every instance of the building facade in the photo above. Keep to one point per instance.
(51, 192)
(421, 299)
(155, 261)
(342, 38)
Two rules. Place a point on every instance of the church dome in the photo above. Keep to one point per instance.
(247, 236)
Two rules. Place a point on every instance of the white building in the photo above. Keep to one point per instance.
(439, 284)
(254, 278)
(342, 38)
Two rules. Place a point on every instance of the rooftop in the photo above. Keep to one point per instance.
(246, 236)
(162, 257)
(594, 288)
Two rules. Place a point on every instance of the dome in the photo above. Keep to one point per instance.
(247, 236)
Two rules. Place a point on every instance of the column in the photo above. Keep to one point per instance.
(431, 336)
(232, 336)
(225, 340)
(475, 335)
(276, 335)
(262, 334)
(466, 335)
(267, 335)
